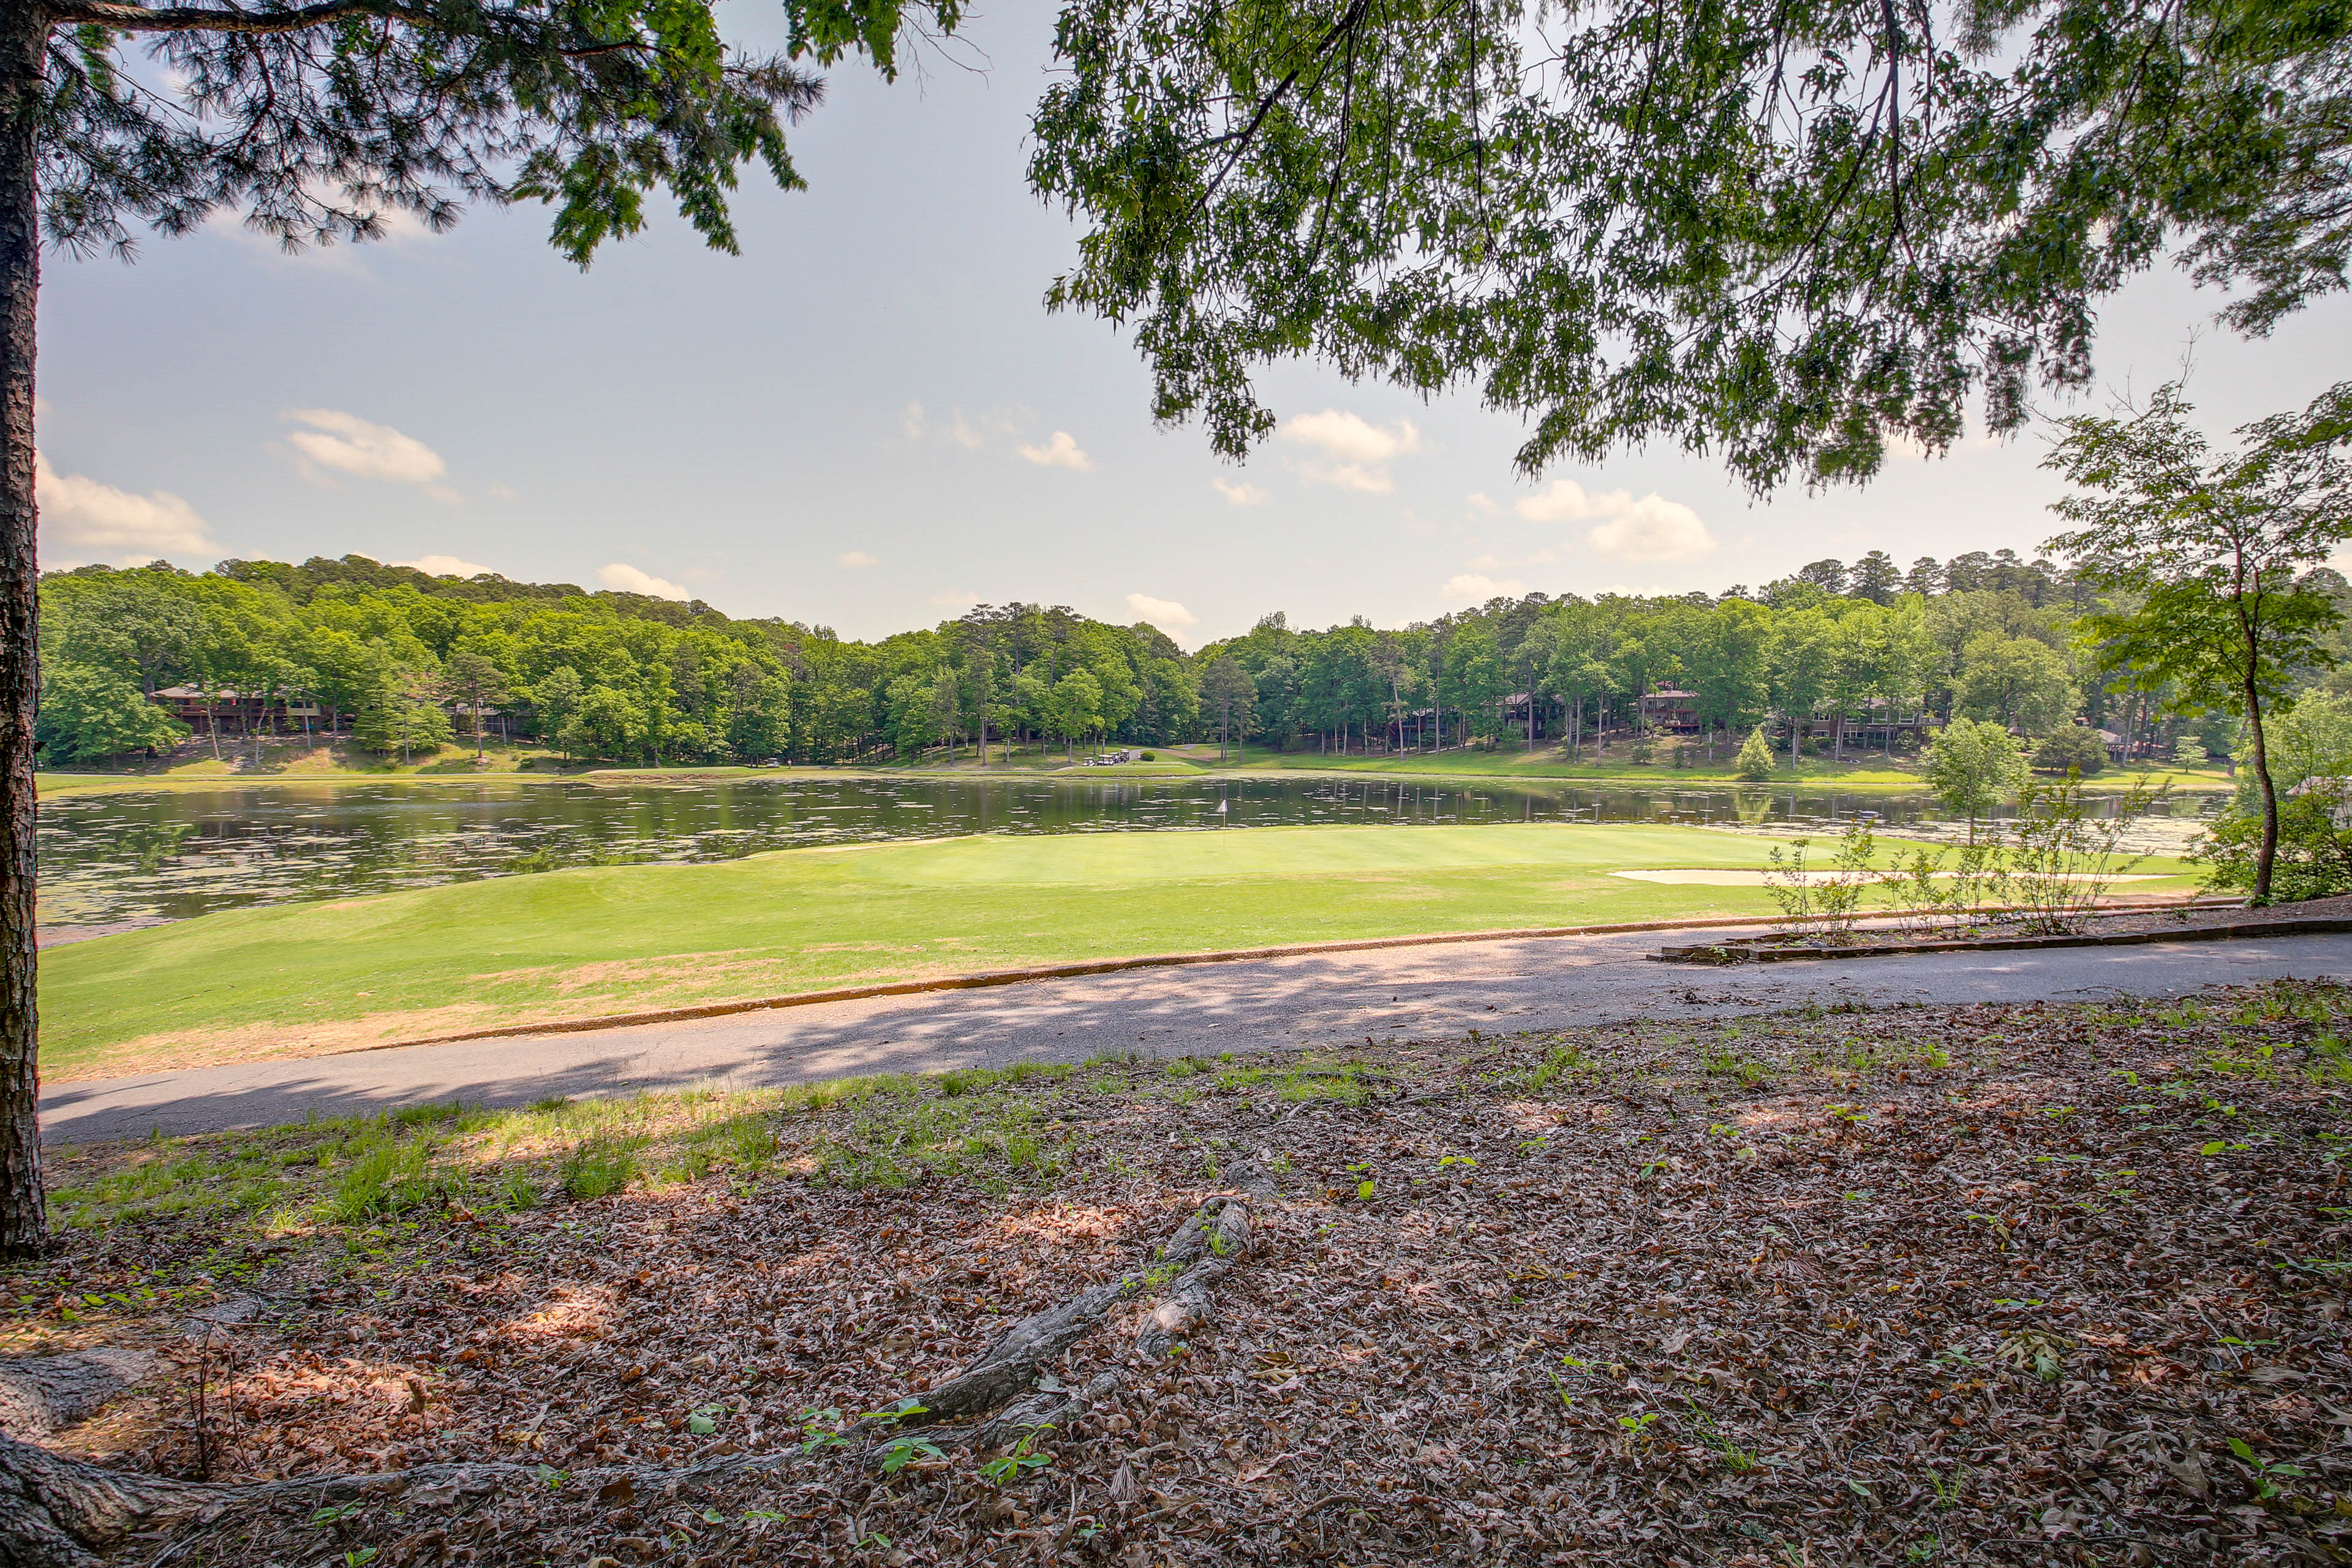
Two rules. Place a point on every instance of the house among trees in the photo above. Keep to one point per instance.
(235, 713)
(1671, 713)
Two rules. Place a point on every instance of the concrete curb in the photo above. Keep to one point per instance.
(1719, 955)
(1072, 970)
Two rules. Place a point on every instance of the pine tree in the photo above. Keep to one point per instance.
(315, 120)
(1755, 759)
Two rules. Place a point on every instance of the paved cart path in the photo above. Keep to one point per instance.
(1327, 999)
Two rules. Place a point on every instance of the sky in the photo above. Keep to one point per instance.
(867, 420)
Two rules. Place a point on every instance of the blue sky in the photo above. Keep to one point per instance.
(868, 420)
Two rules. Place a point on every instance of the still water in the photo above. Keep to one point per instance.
(113, 860)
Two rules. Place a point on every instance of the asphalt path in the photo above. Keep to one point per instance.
(1310, 1000)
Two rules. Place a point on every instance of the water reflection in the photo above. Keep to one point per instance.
(112, 859)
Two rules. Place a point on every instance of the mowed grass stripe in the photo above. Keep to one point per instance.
(306, 978)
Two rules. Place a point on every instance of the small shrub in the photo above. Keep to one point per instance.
(2315, 855)
(2063, 852)
(1754, 762)
(1150, 756)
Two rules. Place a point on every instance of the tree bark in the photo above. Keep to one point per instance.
(24, 1227)
(2268, 854)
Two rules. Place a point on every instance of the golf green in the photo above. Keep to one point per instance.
(301, 979)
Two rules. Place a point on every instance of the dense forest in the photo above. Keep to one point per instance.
(401, 661)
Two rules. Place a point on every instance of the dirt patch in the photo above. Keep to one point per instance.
(178, 1048)
(1999, 1284)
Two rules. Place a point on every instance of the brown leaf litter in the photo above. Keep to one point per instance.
(1979, 1285)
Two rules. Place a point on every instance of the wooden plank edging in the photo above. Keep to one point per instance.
(2321, 925)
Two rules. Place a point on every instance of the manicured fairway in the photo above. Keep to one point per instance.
(300, 979)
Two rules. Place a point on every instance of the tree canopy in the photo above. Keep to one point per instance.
(1785, 235)
(632, 678)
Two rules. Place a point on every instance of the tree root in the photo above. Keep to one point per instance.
(1011, 1362)
(58, 1512)
(1190, 1302)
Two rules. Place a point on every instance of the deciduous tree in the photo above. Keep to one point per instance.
(1785, 237)
(2218, 550)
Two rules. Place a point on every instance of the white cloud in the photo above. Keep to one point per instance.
(503, 492)
(1356, 455)
(96, 519)
(1060, 452)
(1477, 588)
(1238, 494)
(624, 578)
(445, 566)
(1482, 503)
(970, 434)
(1165, 614)
(350, 444)
(955, 601)
(1650, 529)
(854, 559)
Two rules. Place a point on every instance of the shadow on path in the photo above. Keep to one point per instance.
(1309, 1001)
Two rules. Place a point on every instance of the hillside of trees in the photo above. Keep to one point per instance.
(399, 660)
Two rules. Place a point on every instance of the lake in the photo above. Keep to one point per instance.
(111, 861)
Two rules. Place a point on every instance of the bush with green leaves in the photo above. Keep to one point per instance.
(2315, 854)
(2311, 739)
(2073, 748)
(1754, 762)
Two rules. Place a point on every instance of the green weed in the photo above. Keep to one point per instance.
(598, 1167)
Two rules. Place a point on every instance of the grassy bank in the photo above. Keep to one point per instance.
(301, 979)
(345, 764)
(293, 759)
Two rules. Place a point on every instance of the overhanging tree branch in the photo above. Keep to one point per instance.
(122, 18)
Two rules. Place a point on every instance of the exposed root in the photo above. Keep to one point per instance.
(1011, 1361)
(60, 1513)
(1054, 1408)
(1190, 1301)
(56, 1511)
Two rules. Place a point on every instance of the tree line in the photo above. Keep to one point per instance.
(403, 662)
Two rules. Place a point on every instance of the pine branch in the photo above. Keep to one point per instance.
(124, 18)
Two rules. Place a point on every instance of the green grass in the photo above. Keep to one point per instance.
(368, 1177)
(298, 979)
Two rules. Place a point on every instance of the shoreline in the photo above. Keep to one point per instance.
(57, 785)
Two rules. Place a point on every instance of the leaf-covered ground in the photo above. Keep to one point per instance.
(2024, 1285)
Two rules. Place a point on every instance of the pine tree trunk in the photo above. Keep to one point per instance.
(23, 1229)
